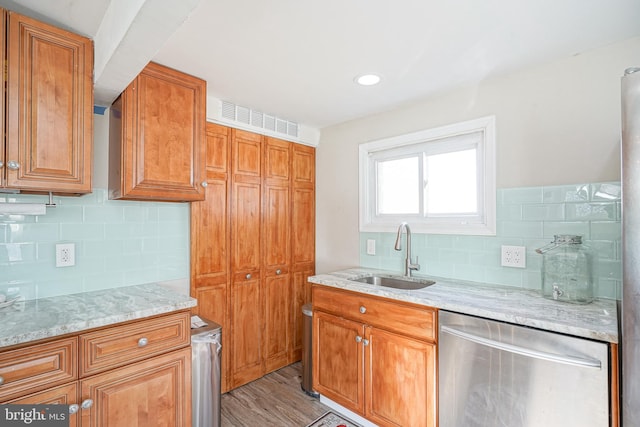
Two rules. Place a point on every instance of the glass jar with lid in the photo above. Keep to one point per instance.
(567, 270)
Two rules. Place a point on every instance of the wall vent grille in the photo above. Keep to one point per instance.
(257, 119)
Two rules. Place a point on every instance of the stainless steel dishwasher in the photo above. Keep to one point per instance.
(494, 374)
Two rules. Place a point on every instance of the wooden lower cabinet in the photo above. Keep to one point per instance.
(151, 393)
(130, 374)
(365, 359)
(61, 395)
(247, 327)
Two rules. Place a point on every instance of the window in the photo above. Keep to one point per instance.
(439, 180)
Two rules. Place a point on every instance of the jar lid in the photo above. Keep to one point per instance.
(570, 239)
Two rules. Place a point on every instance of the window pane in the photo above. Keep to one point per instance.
(398, 186)
(452, 183)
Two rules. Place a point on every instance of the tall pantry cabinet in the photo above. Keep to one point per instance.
(253, 247)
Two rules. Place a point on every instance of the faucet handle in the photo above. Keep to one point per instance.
(414, 266)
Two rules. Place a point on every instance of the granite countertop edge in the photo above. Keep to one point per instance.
(597, 320)
(33, 320)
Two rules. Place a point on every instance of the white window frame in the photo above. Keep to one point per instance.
(483, 224)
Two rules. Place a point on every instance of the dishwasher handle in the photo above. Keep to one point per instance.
(569, 360)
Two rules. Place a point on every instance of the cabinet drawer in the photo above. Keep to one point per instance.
(36, 367)
(397, 316)
(120, 345)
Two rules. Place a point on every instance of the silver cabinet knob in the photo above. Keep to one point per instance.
(278, 272)
(363, 309)
(204, 184)
(1, 164)
(365, 342)
(1, 380)
(73, 408)
(13, 165)
(143, 342)
(86, 404)
(358, 338)
(248, 276)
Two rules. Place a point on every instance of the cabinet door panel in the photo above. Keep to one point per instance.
(153, 393)
(277, 159)
(303, 224)
(338, 360)
(276, 225)
(246, 226)
(50, 119)
(247, 156)
(304, 166)
(63, 395)
(277, 321)
(247, 327)
(157, 137)
(399, 380)
(210, 232)
(213, 305)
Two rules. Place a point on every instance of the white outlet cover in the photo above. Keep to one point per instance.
(371, 247)
(65, 255)
(514, 256)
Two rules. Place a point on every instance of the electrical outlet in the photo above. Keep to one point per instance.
(65, 255)
(514, 256)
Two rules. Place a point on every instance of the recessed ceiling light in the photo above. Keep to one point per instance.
(368, 79)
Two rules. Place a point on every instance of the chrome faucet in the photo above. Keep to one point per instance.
(408, 264)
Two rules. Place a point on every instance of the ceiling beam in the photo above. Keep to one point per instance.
(129, 36)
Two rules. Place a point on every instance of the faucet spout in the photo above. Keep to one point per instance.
(409, 265)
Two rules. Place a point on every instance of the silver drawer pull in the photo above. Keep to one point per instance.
(248, 276)
(1, 380)
(278, 272)
(143, 342)
(86, 404)
(1, 164)
(358, 338)
(365, 342)
(363, 309)
(204, 184)
(74, 408)
(13, 165)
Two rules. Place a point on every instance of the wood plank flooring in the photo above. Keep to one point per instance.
(273, 400)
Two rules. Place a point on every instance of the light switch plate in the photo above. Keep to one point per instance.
(371, 247)
(514, 256)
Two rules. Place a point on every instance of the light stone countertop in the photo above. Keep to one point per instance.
(32, 320)
(597, 320)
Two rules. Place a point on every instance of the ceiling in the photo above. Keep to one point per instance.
(297, 59)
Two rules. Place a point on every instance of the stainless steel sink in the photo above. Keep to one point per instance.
(396, 282)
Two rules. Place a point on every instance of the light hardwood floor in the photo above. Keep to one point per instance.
(273, 400)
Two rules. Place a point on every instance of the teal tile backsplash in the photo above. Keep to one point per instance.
(527, 217)
(117, 243)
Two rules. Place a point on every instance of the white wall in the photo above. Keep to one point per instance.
(556, 124)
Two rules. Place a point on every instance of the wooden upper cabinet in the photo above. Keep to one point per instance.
(157, 137)
(49, 108)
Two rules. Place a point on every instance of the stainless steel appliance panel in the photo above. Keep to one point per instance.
(494, 374)
(630, 343)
